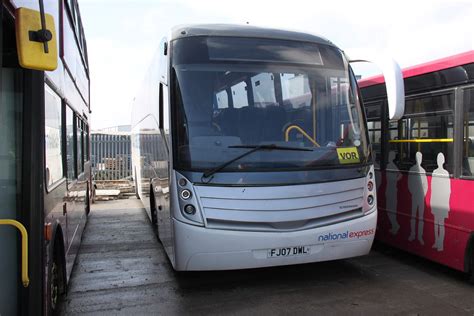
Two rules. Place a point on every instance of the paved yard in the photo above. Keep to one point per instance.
(122, 269)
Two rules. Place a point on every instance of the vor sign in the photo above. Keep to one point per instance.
(348, 155)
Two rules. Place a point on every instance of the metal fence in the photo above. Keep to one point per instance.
(111, 155)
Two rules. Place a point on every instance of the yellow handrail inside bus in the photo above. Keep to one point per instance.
(422, 140)
(24, 248)
(299, 129)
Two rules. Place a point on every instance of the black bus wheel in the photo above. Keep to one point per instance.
(56, 284)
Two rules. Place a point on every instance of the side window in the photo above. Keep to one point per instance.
(426, 128)
(222, 99)
(339, 87)
(295, 90)
(468, 148)
(80, 145)
(374, 126)
(53, 138)
(263, 89)
(70, 157)
(72, 8)
(86, 143)
(163, 61)
(77, 20)
(239, 95)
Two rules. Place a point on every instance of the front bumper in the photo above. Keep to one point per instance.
(199, 248)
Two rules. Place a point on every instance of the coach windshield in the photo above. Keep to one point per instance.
(231, 94)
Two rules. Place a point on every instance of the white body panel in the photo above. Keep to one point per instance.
(239, 225)
(198, 248)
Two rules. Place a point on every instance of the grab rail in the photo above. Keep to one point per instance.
(419, 141)
(292, 127)
(24, 248)
(422, 140)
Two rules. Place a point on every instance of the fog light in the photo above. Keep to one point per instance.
(370, 185)
(190, 209)
(185, 194)
(370, 200)
(182, 182)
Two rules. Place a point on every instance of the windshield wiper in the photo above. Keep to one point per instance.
(253, 149)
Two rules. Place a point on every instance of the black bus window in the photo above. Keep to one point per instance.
(86, 143)
(429, 104)
(72, 8)
(70, 157)
(53, 138)
(77, 20)
(468, 148)
(80, 146)
(429, 132)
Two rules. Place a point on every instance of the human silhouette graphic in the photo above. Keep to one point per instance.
(393, 176)
(440, 194)
(418, 186)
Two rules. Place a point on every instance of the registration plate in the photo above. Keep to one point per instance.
(288, 251)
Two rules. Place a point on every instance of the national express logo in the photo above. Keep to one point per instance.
(346, 235)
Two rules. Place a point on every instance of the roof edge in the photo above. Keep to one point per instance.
(424, 68)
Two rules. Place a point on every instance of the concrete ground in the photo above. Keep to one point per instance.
(122, 269)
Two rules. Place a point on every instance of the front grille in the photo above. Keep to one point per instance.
(285, 208)
(285, 226)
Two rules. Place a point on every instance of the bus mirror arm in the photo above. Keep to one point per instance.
(393, 82)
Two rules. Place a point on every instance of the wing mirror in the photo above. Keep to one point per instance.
(36, 39)
(393, 82)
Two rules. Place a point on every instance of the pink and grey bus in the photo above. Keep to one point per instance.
(425, 161)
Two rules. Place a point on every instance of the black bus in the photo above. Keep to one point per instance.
(45, 174)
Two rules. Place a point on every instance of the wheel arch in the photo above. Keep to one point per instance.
(469, 255)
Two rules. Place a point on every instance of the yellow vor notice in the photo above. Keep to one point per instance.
(348, 155)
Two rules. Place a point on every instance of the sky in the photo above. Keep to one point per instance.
(123, 35)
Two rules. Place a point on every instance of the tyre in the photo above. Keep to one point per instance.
(471, 273)
(88, 201)
(153, 211)
(56, 280)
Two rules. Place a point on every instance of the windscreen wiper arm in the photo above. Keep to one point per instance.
(253, 149)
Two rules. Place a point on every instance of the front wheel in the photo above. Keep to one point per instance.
(153, 211)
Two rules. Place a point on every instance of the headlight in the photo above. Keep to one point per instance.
(185, 194)
(370, 185)
(370, 200)
(190, 209)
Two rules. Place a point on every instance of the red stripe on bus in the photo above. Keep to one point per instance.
(432, 66)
